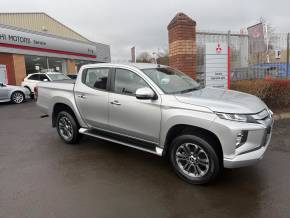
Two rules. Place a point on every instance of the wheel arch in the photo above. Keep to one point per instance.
(27, 87)
(14, 91)
(182, 129)
(57, 108)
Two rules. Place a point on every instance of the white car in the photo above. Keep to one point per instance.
(32, 80)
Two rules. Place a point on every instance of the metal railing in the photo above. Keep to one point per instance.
(245, 63)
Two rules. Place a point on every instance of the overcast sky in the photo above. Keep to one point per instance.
(125, 23)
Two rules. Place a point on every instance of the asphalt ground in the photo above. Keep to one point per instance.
(40, 176)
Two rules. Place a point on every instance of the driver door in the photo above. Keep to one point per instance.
(130, 116)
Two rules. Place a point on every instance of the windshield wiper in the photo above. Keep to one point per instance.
(188, 90)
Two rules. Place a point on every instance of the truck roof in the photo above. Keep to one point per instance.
(140, 66)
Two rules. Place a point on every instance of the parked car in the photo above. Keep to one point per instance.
(32, 80)
(15, 94)
(160, 110)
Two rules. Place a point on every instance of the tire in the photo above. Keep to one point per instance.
(194, 159)
(17, 97)
(67, 128)
(32, 96)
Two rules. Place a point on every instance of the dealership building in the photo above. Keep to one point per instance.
(36, 42)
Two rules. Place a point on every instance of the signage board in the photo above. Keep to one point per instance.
(216, 65)
(256, 38)
(278, 54)
(31, 43)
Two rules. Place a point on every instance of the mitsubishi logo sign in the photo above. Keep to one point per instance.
(216, 65)
(218, 49)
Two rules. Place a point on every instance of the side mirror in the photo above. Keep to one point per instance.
(45, 80)
(145, 93)
(2, 84)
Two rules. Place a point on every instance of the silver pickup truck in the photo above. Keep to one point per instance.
(160, 110)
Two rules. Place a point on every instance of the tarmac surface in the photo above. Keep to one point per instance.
(40, 176)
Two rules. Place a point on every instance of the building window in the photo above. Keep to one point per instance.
(39, 64)
(57, 65)
(80, 63)
(35, 64)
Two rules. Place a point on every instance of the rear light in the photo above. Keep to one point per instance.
(35, 93)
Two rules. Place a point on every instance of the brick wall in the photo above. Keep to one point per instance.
(19, 68)
(182, 44)
(71, 67)
(7, 59)
(15, 66)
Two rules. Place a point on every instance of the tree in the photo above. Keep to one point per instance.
(159, 57)
(144, 57)
(163, 58)
(269, 32)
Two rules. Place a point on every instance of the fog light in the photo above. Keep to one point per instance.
(241, 138)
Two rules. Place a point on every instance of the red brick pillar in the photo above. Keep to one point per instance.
(182, 44)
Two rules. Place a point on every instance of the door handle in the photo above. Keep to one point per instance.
(82, 96)
(115, 102)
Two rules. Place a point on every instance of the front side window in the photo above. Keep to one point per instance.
(127, 82)
(34, 77)
(97, 78)
(171, 81)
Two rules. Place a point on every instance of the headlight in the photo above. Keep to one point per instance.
(237, 117)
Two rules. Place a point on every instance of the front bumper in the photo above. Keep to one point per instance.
(248, 158)
(26, 93)
(258, 140)
(27, 96)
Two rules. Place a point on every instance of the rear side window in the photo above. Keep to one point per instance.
(97, 78)
(127, 82)
(34, 77)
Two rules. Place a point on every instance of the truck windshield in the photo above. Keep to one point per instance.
(171, 81)
(58, 76)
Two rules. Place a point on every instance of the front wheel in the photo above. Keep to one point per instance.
(67, 128)
(17, 97)
(194, 159)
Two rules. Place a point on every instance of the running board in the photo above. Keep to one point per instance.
(157, 151)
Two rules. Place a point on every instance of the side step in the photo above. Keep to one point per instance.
(154, 150)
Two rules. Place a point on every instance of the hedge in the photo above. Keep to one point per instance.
(274, 92)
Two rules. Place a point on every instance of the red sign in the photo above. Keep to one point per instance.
(218, 49)
(256, 38)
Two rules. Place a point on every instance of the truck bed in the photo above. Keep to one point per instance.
(49, 92)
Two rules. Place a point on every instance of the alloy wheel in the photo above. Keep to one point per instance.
(65, 128)
(17, 97)
(192, 160)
